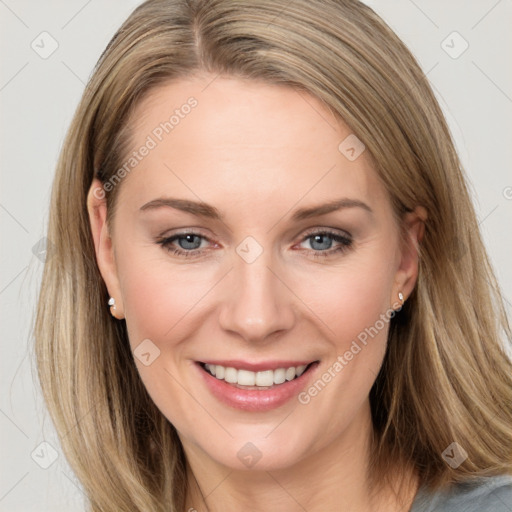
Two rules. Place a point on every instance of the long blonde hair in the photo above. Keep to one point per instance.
(445, 377)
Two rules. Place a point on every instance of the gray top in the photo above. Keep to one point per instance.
(492, 494)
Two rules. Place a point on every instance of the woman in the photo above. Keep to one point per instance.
(269, 291)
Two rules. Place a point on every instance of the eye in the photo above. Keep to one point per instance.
(188, 244)
(322, 241)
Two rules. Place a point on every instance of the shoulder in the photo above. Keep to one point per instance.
(486, 494)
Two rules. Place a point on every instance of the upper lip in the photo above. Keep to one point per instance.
(256, 367)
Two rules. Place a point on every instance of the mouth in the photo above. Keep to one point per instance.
(256, 387)
(256, 380)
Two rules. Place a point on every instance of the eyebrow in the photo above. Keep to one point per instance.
(205, 210)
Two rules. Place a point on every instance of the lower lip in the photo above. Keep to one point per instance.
(252, 399)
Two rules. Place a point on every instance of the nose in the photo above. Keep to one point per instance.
(257, 303)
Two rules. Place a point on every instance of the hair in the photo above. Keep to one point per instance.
(446, 375)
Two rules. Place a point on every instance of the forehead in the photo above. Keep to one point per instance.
(220, 138)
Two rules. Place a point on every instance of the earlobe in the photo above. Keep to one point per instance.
(103, 246)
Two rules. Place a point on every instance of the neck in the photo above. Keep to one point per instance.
(332, 478)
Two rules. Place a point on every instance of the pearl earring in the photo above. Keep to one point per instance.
(112, 303)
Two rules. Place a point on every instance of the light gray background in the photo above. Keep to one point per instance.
(38, 97)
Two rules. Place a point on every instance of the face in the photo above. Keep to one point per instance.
(248, 243)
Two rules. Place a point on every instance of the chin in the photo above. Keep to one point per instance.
(261, 448)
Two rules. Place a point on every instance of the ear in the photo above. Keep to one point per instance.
(103, 246)
(407, 272)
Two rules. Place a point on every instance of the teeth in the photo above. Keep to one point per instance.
(231, 375)
(264, 379)
(290, 373)
(246, 378)
(279, 376)
(300, 370)
(220, 371)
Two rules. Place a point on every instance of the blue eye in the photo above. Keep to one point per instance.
(191, 241)
(322, 242)
(189, 244)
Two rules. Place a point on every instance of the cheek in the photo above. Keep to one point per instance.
(162, 304)
(354, 304)
(352, 298)
(158, 297)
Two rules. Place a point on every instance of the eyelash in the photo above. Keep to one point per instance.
(345, 244)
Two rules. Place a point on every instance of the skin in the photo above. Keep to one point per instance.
(257, 152)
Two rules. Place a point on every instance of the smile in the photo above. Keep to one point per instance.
(255, 380)
(256, 387)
